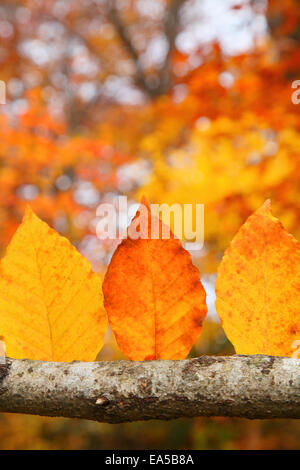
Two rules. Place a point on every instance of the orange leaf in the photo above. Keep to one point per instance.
(50, 300)
(153, 294)
(258, 287)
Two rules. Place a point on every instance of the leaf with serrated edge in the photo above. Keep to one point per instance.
(258, 287)
(153, 296)
(51, 304)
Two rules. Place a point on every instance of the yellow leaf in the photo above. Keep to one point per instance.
(50, 300)
(258, 287)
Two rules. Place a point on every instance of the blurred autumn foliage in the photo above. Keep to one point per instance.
(183, 101)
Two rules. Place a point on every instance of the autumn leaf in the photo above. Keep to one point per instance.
(50, 300)
(153, 294)
(258, 287)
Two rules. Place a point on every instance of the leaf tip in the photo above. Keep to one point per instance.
(267, 204)
(266, 208)
(144, 202)
(28, 214)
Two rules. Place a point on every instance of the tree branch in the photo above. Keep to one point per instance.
(170, 29)
(171, 24)
(114, 17)
(120, 391)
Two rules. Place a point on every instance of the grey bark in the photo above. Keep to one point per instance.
(120, 391)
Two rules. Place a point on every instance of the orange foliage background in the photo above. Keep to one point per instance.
(209, 122)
